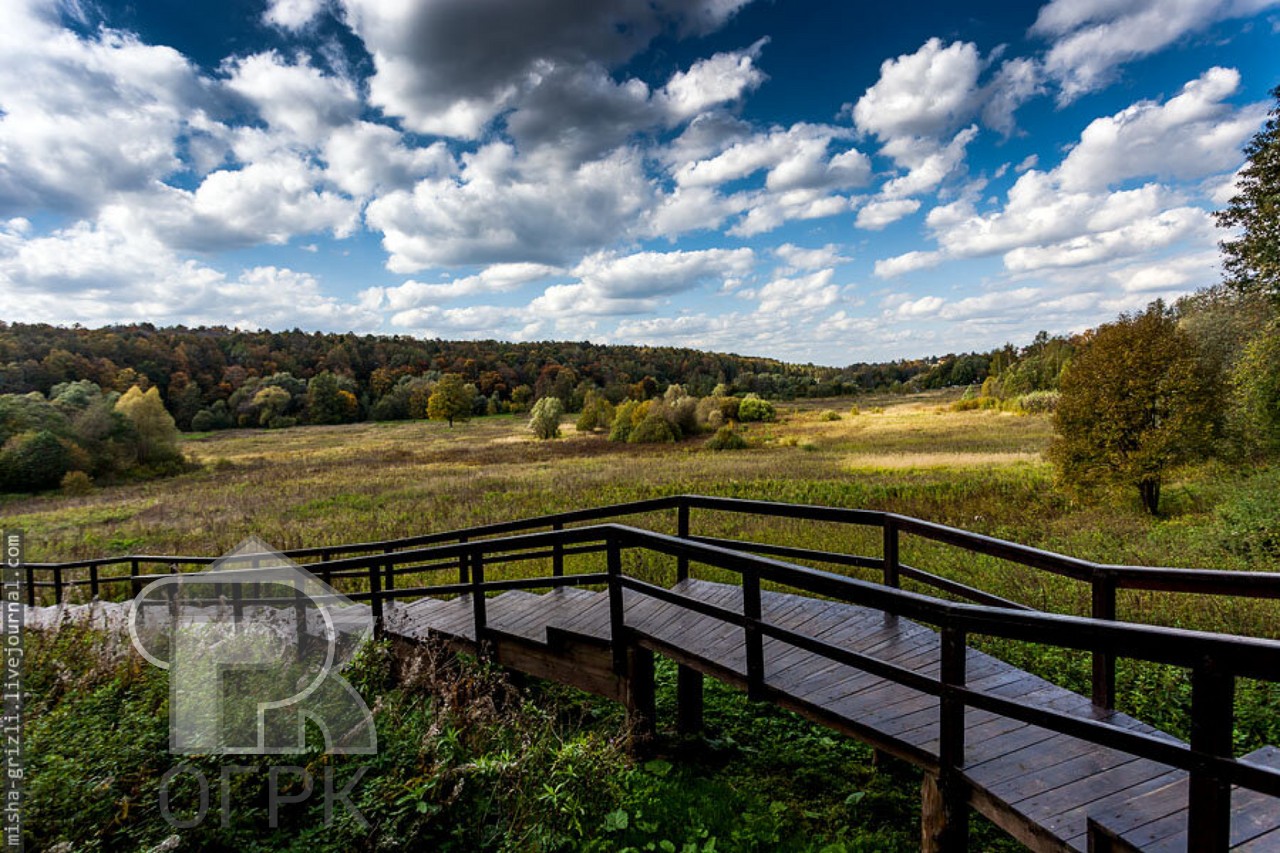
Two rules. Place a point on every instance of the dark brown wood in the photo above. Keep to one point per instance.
(641, 703)
(752, 637)
(946, 795)
(375, 600)
(479, 603)
(689, 700)
(557, 553)
(944, 819)
(891, 552)
(1104, 662)
(1212, 722)
(617, 614)
(682, 530)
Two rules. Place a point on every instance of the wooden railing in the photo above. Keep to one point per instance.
(1214, 660)
(395, 557)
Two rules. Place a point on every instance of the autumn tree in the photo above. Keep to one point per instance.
(544, 420)
(450, 400)
(1135, 400)
(1252, 260)
(328, 402)
(156, 430)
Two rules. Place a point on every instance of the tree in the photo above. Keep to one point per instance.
(33, 461)
(545, 418)
(272, 402)
(1135, 401)
(1257, 384)
(450, 400)
(597, 412)
(157, 433)
(1252, 260)
(325, 404)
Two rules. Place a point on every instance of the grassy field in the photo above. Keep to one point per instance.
(980, 470)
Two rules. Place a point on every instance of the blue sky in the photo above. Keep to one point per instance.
(811, 181)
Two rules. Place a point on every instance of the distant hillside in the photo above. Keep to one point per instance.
(194, 368)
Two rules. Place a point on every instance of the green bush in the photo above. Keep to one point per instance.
(829, 415)
(624, 419)
(653, 429)
(33, 461)
(727, 438)
(753, 408)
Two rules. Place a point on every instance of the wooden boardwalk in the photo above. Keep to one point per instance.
(1042, 787)
(890, 666)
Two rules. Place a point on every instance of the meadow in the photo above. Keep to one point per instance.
(982, 470)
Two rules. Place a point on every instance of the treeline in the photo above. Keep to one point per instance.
(217, 377)
(80, 434)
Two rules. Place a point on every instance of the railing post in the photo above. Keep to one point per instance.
(300, 617)
(617, 615)
(31, 586)
(94, 585)
(557, 554)
(463, 562)
(1104, 663)
(1212, 724)
(478, 615)
(682, 530)
(390, 570)
(754, 639)
(891, 552)
(944, 818)
(57, 584)
(135, 587)
(375, 599)
(689, 700)
(237, 605)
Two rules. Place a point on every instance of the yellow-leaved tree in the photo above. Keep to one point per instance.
(156, 430)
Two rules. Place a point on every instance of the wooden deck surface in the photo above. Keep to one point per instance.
(1041, 786)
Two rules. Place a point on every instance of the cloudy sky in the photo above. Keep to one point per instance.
(816, 181)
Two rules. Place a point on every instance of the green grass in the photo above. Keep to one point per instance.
(980, 470)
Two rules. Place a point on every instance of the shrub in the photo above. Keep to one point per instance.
(753, 408)
(33, 461)
(76, 483)
(624, 418)
(1037, 402)
(727, 438)
(729, 408)
(544, 421)
(854, 411)
(597, 413)
(829, 415)
(653, 429)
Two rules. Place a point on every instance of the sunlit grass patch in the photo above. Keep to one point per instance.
(925, 459)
